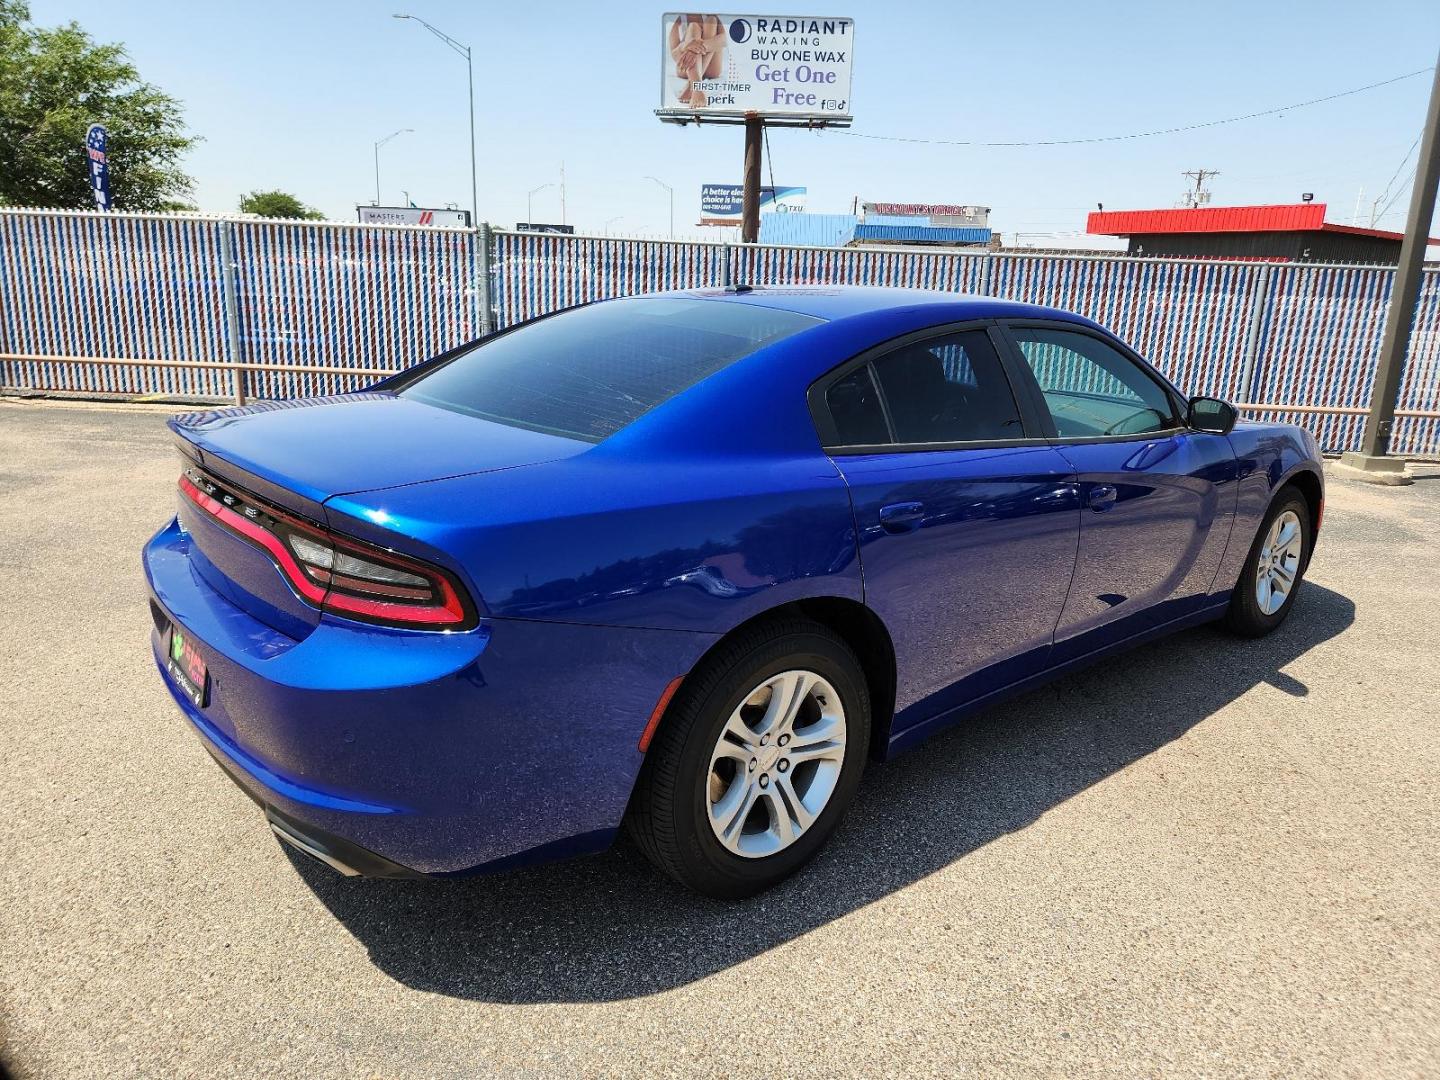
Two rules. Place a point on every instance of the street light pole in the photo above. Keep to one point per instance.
(671, 190)
(1373, 462)
(379, 144)
(463, 50)
(529, 197)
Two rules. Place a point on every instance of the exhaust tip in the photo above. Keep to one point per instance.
(309, 847)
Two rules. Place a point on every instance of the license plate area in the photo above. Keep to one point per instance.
(186, 666)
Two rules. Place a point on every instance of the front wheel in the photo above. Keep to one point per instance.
(1273, 571)
(756, 761)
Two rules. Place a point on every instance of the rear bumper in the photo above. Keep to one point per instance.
(335, 852)
(402, 753)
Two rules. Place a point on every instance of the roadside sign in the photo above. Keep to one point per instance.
(413, 215)
(722, 204)
(99, 165)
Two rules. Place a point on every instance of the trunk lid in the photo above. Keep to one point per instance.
(321, 447)
(298, 454)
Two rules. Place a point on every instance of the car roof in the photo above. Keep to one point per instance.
(834, 302)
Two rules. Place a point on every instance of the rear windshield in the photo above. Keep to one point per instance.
(589, 372)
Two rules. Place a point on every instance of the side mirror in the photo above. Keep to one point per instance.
(1211, 414)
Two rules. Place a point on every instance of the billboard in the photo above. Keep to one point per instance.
(723, 204)
(413, 215)
(725, 66)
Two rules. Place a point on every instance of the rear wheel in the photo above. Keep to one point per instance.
(757, 759)
(1274, 569)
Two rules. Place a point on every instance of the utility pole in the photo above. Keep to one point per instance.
(1373, 462)
(1200, 195)
(563, 219)
(750, 207)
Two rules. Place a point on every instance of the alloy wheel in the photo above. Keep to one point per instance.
(1278, 565)
(776, 763)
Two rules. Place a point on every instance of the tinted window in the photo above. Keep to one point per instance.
(587, 373)
(949, 389)
(855, 409)
(1092, 388)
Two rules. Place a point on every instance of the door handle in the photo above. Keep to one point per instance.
(902, 517)
(1101, 497)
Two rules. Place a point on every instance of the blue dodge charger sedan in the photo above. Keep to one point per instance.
(683, 562)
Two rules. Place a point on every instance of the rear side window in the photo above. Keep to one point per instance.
(587, 373)
(950, 389)
(855, 408)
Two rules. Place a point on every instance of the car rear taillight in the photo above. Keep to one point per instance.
(332, 572)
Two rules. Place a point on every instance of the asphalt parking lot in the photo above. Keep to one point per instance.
(1207, 858)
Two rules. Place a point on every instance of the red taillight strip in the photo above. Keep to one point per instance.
(448, 614)
(451, 611)
(379, 588)
(266, 539)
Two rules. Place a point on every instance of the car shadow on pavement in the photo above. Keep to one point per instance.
(609, 927)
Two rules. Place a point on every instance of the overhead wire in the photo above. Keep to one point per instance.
(1138, 134)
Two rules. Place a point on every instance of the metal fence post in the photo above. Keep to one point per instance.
(229, 295)
(1259, 301)
(484, 238)
(729, 265)
(986, 274)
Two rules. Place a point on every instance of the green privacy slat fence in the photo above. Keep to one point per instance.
(208, 306)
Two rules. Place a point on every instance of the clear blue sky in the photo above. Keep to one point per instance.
(292, 95)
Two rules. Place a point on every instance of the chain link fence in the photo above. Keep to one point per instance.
(240, 308)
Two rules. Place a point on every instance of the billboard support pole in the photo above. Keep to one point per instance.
(1373, 462)
(750, 207)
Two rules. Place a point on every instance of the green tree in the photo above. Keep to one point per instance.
(277, 204)
(53, 85)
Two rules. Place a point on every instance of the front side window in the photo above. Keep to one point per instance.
(1091, 388)
(588, 372)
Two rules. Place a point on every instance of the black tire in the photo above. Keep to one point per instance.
(668, 816)
(1245, 616)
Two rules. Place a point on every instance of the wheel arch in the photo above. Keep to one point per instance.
(1310, 485)
(861, 629)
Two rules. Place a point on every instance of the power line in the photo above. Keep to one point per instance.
(1398, 192)
(1138, 134)
(1375, 212)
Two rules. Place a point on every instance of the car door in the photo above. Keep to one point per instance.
(968, 520)
(1157, 498)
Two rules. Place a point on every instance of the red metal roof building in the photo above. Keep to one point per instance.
(1294, 233)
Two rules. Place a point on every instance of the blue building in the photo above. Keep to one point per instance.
(911, 224)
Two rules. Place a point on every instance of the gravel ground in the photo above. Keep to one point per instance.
(1206, 858)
